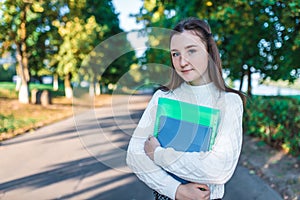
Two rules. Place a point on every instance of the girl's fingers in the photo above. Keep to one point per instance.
(202, 187)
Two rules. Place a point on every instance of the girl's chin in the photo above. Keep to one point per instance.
(192, 80)
(188, 79)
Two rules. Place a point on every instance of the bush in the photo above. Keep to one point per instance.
(9, 123)
(7, 73)
(6, 123)
(276, 120)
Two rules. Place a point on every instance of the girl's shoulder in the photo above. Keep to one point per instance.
(233, 99)
(160, 93)
(232, 96)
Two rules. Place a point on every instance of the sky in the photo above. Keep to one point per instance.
(128, 24)
(125, 8)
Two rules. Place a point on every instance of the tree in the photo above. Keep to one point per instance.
(79, 38)
(253, 36)
(254, 44)
(23, 26)
(93, 22)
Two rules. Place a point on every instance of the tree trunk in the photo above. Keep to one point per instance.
(249, 90)
(24, 93)
(18, 81)
(24, 87)
(92, 89)
(22, 58)
(98, 88)
(55, 82)
(242, 81)
(68, 86)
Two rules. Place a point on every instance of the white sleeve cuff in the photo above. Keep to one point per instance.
(158, 156)
(171, 188)
(173, 184)
(157, 150)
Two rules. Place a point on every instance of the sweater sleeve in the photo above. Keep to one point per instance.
(216, 166)
(146, 170)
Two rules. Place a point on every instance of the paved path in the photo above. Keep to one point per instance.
(84, 158)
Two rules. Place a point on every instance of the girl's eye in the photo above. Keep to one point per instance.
(175, 54)
(191, 51)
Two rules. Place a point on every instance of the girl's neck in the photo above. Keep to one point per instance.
(199, 84)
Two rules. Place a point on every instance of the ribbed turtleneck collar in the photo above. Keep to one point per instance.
(206, 89)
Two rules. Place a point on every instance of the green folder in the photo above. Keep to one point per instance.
(188, 112)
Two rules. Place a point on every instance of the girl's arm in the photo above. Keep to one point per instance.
(147, 171)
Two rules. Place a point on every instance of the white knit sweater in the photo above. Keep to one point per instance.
(214, 168)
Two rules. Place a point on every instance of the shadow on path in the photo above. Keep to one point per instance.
(108, 183)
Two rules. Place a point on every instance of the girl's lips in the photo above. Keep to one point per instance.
(187, 70)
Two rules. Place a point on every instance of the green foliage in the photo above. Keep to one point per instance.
(118, 68)
(7, 85)
(6, 74)
(86, 25)
(80, 39)
(38, 23)
(26, 32)
(253, 36)
(53, 37)
(58, 93)
(7, 89)
(276, 120)
(158, 66)
(8, 123)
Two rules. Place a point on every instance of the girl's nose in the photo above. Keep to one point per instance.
(183, 61)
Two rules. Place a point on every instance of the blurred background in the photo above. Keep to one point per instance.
(43, 45)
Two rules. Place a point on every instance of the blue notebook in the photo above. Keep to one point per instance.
(183, 136)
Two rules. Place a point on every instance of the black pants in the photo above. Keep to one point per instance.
(158, 196)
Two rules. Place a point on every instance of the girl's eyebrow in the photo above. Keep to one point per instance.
(191, 46)
(174, 50)
(187, 47)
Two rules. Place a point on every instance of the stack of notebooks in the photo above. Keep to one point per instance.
(185, 127)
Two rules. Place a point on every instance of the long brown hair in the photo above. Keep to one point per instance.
(201, 29)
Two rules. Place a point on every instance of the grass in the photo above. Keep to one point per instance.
(7, 89)
(16, 118)
(296, 96)
(284, 84)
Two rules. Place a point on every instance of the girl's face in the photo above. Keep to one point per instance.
(190, 58)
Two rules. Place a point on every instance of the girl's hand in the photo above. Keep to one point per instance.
(150, 145)
(192, 191)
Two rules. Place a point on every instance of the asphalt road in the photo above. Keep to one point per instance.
(83, 157)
